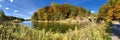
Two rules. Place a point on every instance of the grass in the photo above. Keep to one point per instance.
(93, 31)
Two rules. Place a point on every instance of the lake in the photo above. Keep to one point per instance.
(53, 26)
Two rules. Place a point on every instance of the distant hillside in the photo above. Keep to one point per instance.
(110, 11)
(4, 18)
(60, 12)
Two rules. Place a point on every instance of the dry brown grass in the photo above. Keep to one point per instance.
(19, 32)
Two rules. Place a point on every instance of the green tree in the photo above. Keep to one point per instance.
(35, 16)
(2, 16)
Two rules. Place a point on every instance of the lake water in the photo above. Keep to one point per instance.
(55, 27)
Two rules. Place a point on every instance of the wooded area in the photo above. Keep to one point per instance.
(110, 11)
(60, 12)
(4, 18)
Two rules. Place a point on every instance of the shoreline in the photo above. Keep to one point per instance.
(66, 21)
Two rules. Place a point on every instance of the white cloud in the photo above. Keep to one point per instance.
(21, 15)
(15, 11)
(1, 0)
(27, 17)
(7, 8)
(31, 12)
(92, 11)
(11, 1)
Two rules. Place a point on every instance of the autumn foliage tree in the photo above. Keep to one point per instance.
(59, 12)
(110, 11)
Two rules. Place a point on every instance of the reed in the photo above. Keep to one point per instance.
(93, 31)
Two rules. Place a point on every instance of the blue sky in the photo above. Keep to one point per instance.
(25, 8)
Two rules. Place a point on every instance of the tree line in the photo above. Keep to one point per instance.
(4, 18)
(60, 12)
(110, 11)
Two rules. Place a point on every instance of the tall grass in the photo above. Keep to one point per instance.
(19, 32)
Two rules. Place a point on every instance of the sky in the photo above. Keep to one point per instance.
(26, 8)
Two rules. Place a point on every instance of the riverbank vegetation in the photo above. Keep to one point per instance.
(92, 31)
(4, 18)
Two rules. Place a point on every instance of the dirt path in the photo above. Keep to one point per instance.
(115, 32)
